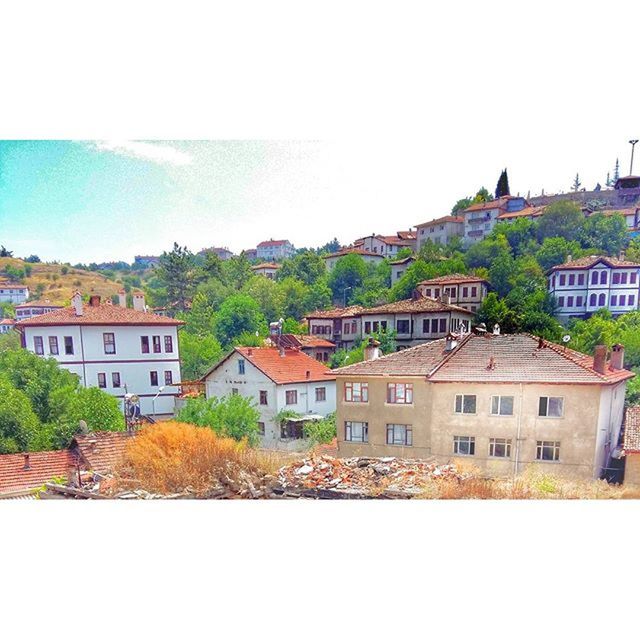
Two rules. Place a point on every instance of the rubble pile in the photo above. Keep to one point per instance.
(366, 475)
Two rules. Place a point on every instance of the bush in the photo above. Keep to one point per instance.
(321, 431)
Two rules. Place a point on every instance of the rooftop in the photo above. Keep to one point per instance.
(272, 243)
(632, 430)
(347, 250)
(39, 303)
(498, 203)
(43, 466)
(589, 261)
(453, 278)
(517, 358)
(4, 285)
(338, 312)
(420, 305)
(534, 212)
(305, 341)
(442, 220)
(101, 450)
(266, 265)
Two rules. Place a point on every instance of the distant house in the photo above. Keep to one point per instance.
(314, 346)
(481, 218)
(250, 254)
(222, 252)
(387, 246)
(6, 324)
(529, 213)
(267, 269)
(276, 380)
(271, 250)
(587, 284)
(369, 257)
(35, 308)
(13, 293)
(441, 230)
(146, 261)
(112, 347)
(398, 267)
(466, 291)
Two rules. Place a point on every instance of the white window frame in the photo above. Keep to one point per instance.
(499, 413)
(462, 412)
(363, 395)
(407, 441)
(404, 398)
(469, 440)
(505, 442)
(542, 444)
(348, 431)
(561, 398)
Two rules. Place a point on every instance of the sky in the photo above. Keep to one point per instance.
(94, 201)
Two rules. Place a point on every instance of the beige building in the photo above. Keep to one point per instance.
(465, 291)
(503, 402)
(439, 231)
(631, 445)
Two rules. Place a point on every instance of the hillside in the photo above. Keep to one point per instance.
(58, 286)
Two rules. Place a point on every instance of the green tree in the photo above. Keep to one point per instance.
(318, 296)
(483, 253)
(176, 272)
(308, 267)
(232, 416)
(18, 422)
(293, 293)
(502, 188)
(5, 253)
(321, 431)
(501, 272)
(494, 310)
(556, 251)
(561, 219)
(198, 353)
(461, 205)
(347, 276)
(212, 265)
(237, 271)
(607, 233)
(269, 295)
(576, 183)
(238, 314)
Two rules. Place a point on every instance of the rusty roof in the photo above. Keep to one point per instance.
(587, 262)
(534, 212)
(347, 250)
(498, 203)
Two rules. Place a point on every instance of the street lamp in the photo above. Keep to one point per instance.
(633, 146)
(344, 294)
(153, 402)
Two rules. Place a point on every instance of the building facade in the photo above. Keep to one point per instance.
(465, 291)
(13, 293)
(369, 257)
(271, 250)
(36, 308)
(276, 380)
(440, 231)
(266, 269)
(6, 325)
(503, 402)
(114, 348)
(581, 287)
(399, 267)
(481, 218)
(387, 246)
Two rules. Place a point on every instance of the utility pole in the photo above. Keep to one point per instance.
(633, 146)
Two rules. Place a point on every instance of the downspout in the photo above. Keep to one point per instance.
(518, 430)
(84, 368)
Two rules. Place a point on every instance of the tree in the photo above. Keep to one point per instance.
(493, 311)
(269, 295)
(556, 251)
(576, 183)
(177, 273)
(198, 353)
(347, 275)
(294, 292)
(616, 172)
(482, 196)
(237, 271)
(329, 247)
(238, 314)
(501, 272)
(18, 422)
(561, 219)
(32, 259)
(5, 253)
(483, 253)
(318, 296)
(607, 233)
(233, 416)
(307, 266)
(502, 188)
(212, 265)
(321, 431)
(461, 205)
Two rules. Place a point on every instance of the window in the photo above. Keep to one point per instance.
(581, 279)
(115, 380)
(234, 391)
(367, 326)
(356, 431)
(347, 327)
(465, 404)
(563, 280)
(427, 293)
(572, 279)
(631, 301)
(603, 277)
(499, 448)
(464, 445)
(502, 405)
(601, 299)
(321, 394)
(465, 292)
(474, 292)
(623, 300)
(578, 301)
(443, 325)
(38, 345)
(291, 397)
(109, 341)
(356, 392)
(241, 367)
(570, 301)
(434, 325)
(592, 300)
(263, 397)
(616, 277)
(156, 344)
(561, 301)
(402, 326)
(102, 380)
(68, 345)
(594, 277)
(168, 377)
(400, 393)
(632, 277)
(144, 344)
(53, 345)
(613, 301)
(153, 378)
(400, 434)
(548, 450)
(550, 407)
(623, 278)
(168, 344)
(261, 428)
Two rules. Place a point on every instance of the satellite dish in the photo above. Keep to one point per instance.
(82, 427)
(566, 338)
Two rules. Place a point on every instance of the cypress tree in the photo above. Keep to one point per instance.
(502, 188)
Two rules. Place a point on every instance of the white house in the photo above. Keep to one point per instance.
(267, 269)
(13, 293)
(583, 286)
(440, 230)
(388, 246)
(6, 324)
(274, 250)
(481, 218)
(109, 346)
(466, 291)
(398, 267)
(35, 308)
(277, 380)
(331, 259)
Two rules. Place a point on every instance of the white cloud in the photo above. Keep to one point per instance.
(152, 151)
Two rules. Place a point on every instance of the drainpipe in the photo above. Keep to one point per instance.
(518, 430)
(84, 367)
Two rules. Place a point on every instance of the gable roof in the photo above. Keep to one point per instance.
(101, 450)
(419, 305)
(103, 314)
(453, 278)
(290, 368)
(534, 212)
(403, 261)
(265, 265)
(590, 261)
(337, 312)
(347, 250)
(510, 358)
(442, 220)
(43, 467)
(498, 203)
(272, 243)
(39, 303)
(304, 341)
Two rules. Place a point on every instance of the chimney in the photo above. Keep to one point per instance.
(446, 298)
(372, 350)
(26, 466)
(569, 258)
(496, 329)
(122, 298)
(76, 303)
(249, 351)
(617, 357)
(282, 353)
(308, 374)
(600, 358)
(138, 302)
(450, 342)
(94, 301)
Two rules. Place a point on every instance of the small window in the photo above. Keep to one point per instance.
(550, 407)
(464, 445)
(321, 394)
(241, 367)
(403, 326)
(434, 325)
(581, 279)
(291, 397)
(109, 341)
(570, 301)
(102, 380)
(616, 277)
(168, 344)
(400, 434)
(153, 378)
(443, 325)
(572, 279)
(499, 448)
(68, 345)
(603, 277)
(356, 392)
(115, 380)
(474, 292)
(502, 405)
(613, 301)
(367, 327)
(156, 344)
(632, 301)
(548, 450)
(400, 393)
(261, 429)
(563, 280)
(356, 431)
(144, 344)
(168, 377)
(53, 345)
(38, 345)
(465, 404)
(602, 298)
(632, 277)
(234, 391)
(594, 277)
(623, 301)
(561, 301)
(263, 397)
(592, 300)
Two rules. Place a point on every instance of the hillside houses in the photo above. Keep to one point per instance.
(13, 293)
(267, 269)
(481, 218)
(369, 257)
(440, 231)
(273, 250)
(387, 246)
(466, 291)
(35, 308)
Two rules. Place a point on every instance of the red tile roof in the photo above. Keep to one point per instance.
(453, 278)
(347, 250)
(266, 265)
(313, 342)
(396, 240)
(404, 260)
(504, 358)
(407, 235)
(4, 285)
(338, 312)
(103, 314)
(443, 220)
(632, 430)
(101, 450)
(7, 321)
(421, 305)
(272, 243)
(43, 467)
(589, 261)
(39, 303)
(534, 212)
(498, 203)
